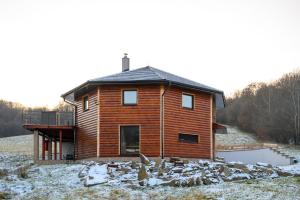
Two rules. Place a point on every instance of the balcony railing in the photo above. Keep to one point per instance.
(51, 118)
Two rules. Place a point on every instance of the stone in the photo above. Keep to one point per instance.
(242, 167)
(112, 165)
(198, 181)
(144, 159)
(206, 181)
(161, 172)
(178, 163)
(169, 183)
(163, 164)
(173, 159)
(186, 161)
(3, 172)
(142, 174)
(284, 174)
(177, 170)
(142, 183)
(134, 165)
(264, 164)
(190, 182)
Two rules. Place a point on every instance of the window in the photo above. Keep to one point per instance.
(129, 97)
(188, 138)
(187, 101)
(85, 103)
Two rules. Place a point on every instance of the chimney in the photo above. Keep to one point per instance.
(125, 63)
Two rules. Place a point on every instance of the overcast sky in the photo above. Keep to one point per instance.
(50, 47)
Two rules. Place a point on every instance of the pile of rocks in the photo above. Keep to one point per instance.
(174, 172)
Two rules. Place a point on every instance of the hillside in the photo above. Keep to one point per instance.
(270, 110)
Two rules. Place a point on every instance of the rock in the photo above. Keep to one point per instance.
(161, 172)
(177, 170)
(171, 183)
(242, 167)
(83, 172)
(3, 172)
(190, 182)
(142, 174)
(206, 181)
(283, 173)
(142, 183)
(178, 163)
(163, 164)
(186, 161)
(144, 159)
(112, 165)
(264, 164)
(134, 165)
(125, 170)
(226, 171)
(173, 159)
(198, 181)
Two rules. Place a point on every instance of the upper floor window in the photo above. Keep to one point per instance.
(129, 97)
(187, 101)
(85, 103)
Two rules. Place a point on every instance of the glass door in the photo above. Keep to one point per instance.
(130, 140)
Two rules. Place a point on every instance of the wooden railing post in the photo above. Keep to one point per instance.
(43, 148)
(60, 144)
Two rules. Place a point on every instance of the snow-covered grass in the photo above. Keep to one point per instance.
(17, 144)
(62, 182)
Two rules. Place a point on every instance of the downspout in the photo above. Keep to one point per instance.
(74, 121)
(162, 119)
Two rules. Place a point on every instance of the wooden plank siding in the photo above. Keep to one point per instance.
(86, 132)
(180, 120)
(146, 114)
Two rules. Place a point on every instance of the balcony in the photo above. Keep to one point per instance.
(49, 118)
(51, 129)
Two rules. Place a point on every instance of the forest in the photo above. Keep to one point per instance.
(11, 117)
(269, 110)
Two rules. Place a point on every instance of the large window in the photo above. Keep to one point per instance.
(130, 140)
(188, 138)
(129, 97)
(85, 103)
(187, 101)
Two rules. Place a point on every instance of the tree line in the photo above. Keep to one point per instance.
(11, 117)
(269, 110)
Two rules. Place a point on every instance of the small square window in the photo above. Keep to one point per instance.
(188, 138)
(85, 103)
(129, 97)
(187, 101)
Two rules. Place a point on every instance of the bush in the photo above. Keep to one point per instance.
(22, 172)
(4, 195)
(3, 172)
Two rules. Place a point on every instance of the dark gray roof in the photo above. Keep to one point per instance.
(152, 74)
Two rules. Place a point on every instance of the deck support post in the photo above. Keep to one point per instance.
(43, 148)
(60, 144)
(36, 145)
(49, 149)
(55, 149)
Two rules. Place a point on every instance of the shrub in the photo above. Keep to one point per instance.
(3, 172)
(22, 172)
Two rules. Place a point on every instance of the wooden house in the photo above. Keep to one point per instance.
(145, 110)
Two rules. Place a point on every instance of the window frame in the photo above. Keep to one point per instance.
(193, 100)
(187, 141)
(123, 97)
(85, 107)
